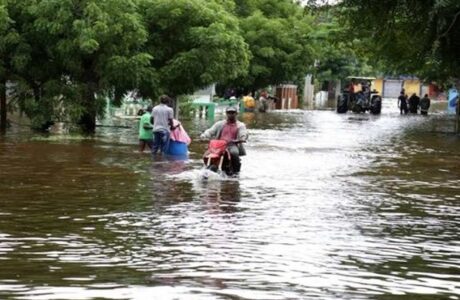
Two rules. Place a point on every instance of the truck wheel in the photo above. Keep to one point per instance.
(342, 105)
(376, 106)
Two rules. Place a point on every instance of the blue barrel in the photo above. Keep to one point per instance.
(177, 148)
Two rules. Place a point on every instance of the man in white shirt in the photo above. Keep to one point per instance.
(162, 123)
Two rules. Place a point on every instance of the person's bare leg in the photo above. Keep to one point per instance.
(141, 146)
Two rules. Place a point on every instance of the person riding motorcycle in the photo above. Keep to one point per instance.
(232, 131)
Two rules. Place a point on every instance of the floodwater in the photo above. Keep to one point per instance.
(327, 206)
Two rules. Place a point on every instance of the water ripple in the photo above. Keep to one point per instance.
(327, 207)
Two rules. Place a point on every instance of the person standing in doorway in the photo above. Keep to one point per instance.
(145, 130)
(425, 105)
(402, 103)
(162, 123)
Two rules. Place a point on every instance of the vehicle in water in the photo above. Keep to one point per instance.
(361, 101)
(217, 159)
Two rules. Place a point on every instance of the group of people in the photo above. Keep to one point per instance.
(360, 96)
(156, 124)
(251, 99)
(263, 102)
(413, 104)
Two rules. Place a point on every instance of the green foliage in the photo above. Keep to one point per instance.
(9, 40)
(195, 42)
(418, 37)
(185, 107)
(78, 52)
(338, 55)
(4, 18)
(278, 34)
(67, 56)
(95, 40)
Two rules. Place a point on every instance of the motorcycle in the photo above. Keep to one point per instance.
(217, 158)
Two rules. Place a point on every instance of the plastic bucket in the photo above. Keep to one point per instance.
(177, 148)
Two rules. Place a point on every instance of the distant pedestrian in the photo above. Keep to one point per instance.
(402, 103)
(414, 102)
(162, 123)
(227, 93)
(145, 129)
(425, 105)
(351, 88)
(249, 102)
(263, 101)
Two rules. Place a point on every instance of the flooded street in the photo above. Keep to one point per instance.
(327, 206)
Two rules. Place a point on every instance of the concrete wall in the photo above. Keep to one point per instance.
(204, 95)
(412, 86)
(377, 84)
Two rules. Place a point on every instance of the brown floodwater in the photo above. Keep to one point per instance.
(327, 206)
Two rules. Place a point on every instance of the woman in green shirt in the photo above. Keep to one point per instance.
(145, 130)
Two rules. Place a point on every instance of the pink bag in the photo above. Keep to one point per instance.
(179, 134)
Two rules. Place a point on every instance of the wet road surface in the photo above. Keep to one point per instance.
(327, 206)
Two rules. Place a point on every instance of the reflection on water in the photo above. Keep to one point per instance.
(327, 206)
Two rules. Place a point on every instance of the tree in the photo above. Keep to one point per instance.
(338, 55)
(418, 37)
(66, 56)
(194, 43)
(97, 47)
(11, 55)
(278, 34)
(24, 58)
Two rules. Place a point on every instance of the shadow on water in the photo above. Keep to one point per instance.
(327, 206)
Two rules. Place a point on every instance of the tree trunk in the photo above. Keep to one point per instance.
(175, 106)
(88, 123)
(88, 119)
(3, 105)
